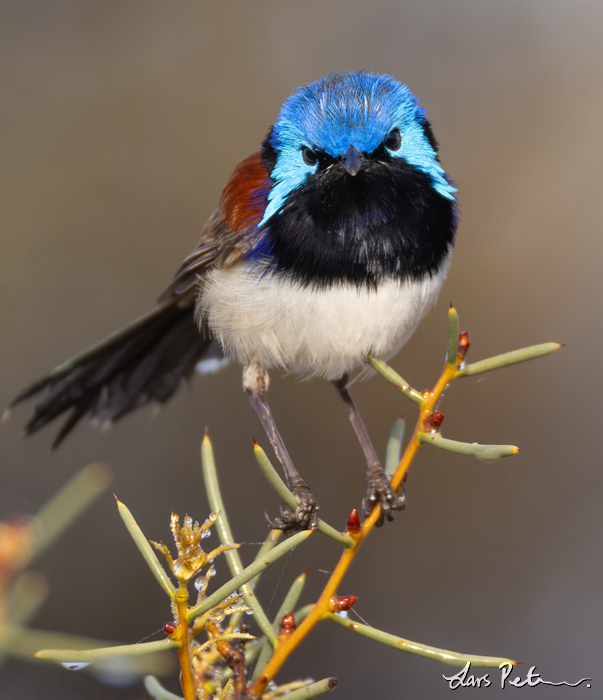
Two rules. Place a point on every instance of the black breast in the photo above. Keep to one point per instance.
(386, 221)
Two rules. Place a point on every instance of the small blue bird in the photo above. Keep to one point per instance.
(329, 244)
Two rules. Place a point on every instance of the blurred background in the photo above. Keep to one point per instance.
(121, 122)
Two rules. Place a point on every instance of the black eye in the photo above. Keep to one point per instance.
(309, 156)
(393, 140)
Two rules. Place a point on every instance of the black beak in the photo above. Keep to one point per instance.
(353, 161)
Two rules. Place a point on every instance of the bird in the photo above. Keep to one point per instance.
(329, 244)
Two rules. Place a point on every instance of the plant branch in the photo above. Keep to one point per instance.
(281, 490)
(146, 550)
(452, 658)
(68, 503)
(248, 573)
(394, 378)
(157, 691)
(394, 447)
(508, 358)
(235, 564)
(92, 655)
(426, 430)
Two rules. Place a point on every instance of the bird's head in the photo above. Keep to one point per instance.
(344, 129)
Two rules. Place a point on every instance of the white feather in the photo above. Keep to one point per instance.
(310, 331)
(211, 365)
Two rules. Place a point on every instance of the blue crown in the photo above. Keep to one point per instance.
(344, 109)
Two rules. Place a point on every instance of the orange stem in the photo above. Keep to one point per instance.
(235, 658)
(187, 680)
(286, 645)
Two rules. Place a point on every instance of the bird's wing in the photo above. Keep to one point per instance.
(148, 360)
(205, 256)
(230, 231)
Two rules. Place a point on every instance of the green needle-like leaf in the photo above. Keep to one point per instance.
(271, 541)
(248, 573)
(24, 642)
(25, 597)
(281, 490)
(508, 358)
(291, 599)
(157, 691)
(394, 447)
(302, 613)
(252, 654)
(91, 655)
(485, 453)
(453, 337)
(447, 657)
(146, 550)
(313, 690)
(287, 606)
(394, 378)
(68, 503)
(263, 659)
(212, 486)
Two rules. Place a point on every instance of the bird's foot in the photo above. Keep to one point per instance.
(305, 515)
(380, 491)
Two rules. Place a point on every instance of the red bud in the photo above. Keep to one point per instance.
(435, 420)
(342, 603)
(463, 344)
(353, 522)
(169, 628)
(287, 625)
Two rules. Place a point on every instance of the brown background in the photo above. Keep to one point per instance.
(121, 121)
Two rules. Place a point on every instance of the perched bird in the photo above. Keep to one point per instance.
(330, 243)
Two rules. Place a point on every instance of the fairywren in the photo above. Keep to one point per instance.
(329, 244)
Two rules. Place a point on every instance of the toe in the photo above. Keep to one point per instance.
(304, 518)
(380, 491)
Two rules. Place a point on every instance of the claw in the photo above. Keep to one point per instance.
(380, 491)
(305, 516)
(287, 522)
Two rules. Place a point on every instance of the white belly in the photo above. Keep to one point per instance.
(307, 330)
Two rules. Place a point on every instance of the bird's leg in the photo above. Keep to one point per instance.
(255, 383)
(378, 488)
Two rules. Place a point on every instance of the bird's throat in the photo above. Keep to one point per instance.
(384, 222)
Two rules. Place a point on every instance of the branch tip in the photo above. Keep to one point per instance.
(169, 628)
(435, 420)
(353, 521)
(463, 344)
(342, 603)
(286, 626)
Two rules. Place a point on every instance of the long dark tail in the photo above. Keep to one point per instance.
(145, 362)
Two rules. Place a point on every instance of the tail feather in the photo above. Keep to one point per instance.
(145, 362)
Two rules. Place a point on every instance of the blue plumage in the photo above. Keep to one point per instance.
(329, 244)
(357, 109)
